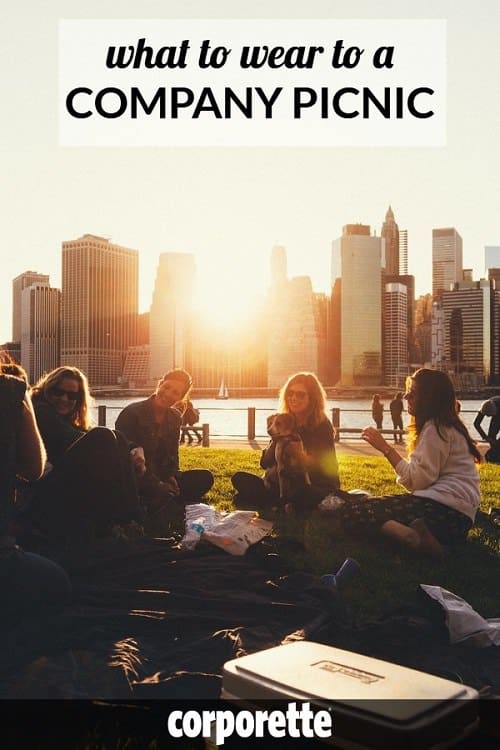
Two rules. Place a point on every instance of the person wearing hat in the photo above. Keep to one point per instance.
(490, 408)
(152, 426)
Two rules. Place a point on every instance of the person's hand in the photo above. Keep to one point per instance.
(375, 439)
(138, 460)
(170, 487)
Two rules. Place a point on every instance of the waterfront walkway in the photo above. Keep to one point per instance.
(343, 448)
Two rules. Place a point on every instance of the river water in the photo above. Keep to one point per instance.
(230, 418)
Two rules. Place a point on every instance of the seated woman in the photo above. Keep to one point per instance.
(153, 427)
(302, 396)
(29, 583)
(440, 474)
(91, 482)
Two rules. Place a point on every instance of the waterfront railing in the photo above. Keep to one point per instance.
(251, 422)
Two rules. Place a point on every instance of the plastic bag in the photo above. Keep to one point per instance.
(199, 517)
(233, 532)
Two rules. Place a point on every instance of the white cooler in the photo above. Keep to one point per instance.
(374, 704)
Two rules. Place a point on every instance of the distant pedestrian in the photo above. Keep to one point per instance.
(377, 411)
(190, 418)
(396, 409)
(490, 408)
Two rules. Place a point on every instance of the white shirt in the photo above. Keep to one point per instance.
(442, 469)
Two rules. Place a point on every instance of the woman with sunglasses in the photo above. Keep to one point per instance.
(305, 398)
(90, 482)
(440, 474)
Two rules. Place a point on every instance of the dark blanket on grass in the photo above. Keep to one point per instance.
(150, 621)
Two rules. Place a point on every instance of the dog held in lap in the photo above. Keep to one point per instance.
(289, 473)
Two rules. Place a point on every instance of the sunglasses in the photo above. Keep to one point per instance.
(60, 392)
(298, 394)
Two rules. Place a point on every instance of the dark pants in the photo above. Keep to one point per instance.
(193, 484)
(360, 515)
(253, 493)
(91, 487)
(186, 433)
(397, 423)
(30, 585)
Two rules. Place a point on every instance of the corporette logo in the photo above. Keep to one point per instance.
(298, 721)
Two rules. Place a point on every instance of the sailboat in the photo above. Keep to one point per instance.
(223, 392)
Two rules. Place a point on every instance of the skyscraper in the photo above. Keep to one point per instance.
(447, 264)
(18, 284)
(40, 329)
(467, 313)
(395, 335)
(168, 320)
(293, 335)
(390, 233)
(403, 252)
(278, 265)
(98, 306)
(491, 257)
(357, 278)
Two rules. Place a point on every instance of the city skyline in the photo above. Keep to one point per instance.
(229, 207)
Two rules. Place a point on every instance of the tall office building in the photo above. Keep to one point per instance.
(390, 233)
(278, 265)
(293, 338)
(403, 252)
(447, 264)
(395, 335)
(98, 306)
(437, 336)
(168, 319)
(491, 257)
(357, 281)
(468, 321)
(423, 330)
(18, 284)
(40, 329)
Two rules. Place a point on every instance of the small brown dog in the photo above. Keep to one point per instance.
(289, 472)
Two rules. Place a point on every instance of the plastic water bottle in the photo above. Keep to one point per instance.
(349, 568)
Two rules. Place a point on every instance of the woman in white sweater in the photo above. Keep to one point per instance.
(440, 473)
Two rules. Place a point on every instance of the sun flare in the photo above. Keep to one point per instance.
(227, 301)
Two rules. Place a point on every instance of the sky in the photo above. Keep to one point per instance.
(229, 206)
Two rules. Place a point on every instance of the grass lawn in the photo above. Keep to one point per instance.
(390, 576)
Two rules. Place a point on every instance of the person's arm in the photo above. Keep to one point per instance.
(30, 453)
(320, 458)
(268, 457)
(477, 424)
(425, 464)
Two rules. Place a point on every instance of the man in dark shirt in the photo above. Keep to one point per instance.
(153, 425)
(490, 408)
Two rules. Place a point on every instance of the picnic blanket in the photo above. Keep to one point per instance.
(149, 621)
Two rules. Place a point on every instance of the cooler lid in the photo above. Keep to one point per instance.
(313, 671)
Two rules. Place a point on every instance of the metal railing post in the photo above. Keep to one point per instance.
(205, 431)
(251, 422)
(336, 422)
(101, 415)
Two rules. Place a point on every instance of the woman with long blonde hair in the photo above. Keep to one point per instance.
(304, 397)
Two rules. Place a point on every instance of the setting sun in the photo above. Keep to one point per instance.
(228, 296)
